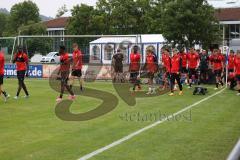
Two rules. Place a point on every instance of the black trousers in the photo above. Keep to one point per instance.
(175, 77)
(21, 84)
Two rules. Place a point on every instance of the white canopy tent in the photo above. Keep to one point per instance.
(102, 49)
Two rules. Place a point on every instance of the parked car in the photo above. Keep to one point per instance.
(52, 57)
(36, 58)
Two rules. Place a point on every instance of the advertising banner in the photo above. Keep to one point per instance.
(35, 71)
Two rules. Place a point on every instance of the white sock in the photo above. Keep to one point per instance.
(149, 89)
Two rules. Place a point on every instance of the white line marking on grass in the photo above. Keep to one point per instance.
(100, 150)
(235, 154)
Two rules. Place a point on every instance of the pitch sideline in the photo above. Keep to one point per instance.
(107, 147)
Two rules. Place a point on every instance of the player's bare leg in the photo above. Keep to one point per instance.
(72, 82)
(5, 95)
(238, 88)
(80, 80)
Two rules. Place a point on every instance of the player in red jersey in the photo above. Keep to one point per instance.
(231, 62)
(193, 62)
(175, 71)
(184, 58)
(77, 63)
(237, 70)
(134, 68)
(216, 60)
(230, 68)
(21, 60)
(64, 74)
(2, 62)
(166, 61)
(151, 66)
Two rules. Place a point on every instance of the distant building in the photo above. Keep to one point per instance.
(58, 27)
(229, 19)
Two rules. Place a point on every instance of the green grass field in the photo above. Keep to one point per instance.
(30, 130)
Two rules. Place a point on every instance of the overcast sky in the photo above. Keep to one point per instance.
(47, 7)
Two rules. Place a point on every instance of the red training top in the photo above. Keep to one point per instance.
(175, 63)
(2, 61)
(166, 61)
(237, 65)
(151, 63)
(65, 62)
(193, 59)
(217, 60)
(231, 61)
(77, 60)
(21, 60)
(184, 59)
(135, 59)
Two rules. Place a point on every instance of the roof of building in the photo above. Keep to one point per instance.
(145, 38)
(228, 14)
(60, 22)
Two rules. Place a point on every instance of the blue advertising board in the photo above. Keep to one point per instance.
(35, 71)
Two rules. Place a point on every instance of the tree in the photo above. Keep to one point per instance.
(113, 17)
(3, 23)
(189, 22)
(61, 11)
(33, 29)
(143, 13)
(22, 14)
(85, 20)
(104, 9)
(36, 45)
(127, 17)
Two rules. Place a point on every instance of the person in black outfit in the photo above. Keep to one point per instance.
(117, 63)
(204, 61)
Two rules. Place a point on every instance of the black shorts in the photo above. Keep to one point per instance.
(203, 70)
(230, 70)
(77, 73)
(167, 75)
(134, 75)
(238, 78)
(1, 79)
(218, 73)
(192, 72)
(150, 75)
(21, 75)
(118, 68)
(184, 70)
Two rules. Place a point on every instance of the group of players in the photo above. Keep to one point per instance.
(67, 80)
(175, 64)
(181, 64)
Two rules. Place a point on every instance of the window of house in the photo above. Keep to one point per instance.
(237, 31)
(96, 53)
(232, 31)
